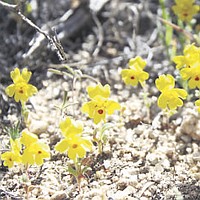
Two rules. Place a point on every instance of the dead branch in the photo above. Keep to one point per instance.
(54, 42)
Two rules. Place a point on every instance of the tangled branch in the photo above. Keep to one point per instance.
(53, 40)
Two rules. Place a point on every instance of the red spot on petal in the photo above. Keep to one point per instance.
(197, 78)
(100, 111)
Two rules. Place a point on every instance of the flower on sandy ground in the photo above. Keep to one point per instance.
(36, 153)
(197, 103)
(135, 74)
(12, 156)
(28, 138)
(189, 59)
(170, 97)
(75, 145)
(70, 127)
(185, 9)
(20, 88)
(73, 142)
(100, 105)
(192, 75)
(189, 65)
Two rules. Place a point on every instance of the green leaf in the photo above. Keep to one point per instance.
(106, 126)
(85, 169)
(72, 170)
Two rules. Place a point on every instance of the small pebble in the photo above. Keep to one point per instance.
(59, 196)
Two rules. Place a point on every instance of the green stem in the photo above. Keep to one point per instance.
(79, 175)
(25, 112)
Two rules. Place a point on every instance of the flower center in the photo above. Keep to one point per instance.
(197, 78)
(100, 111)
(74, 146)
(21, 90)
(132, 77)
(10, 159)
(39, 152)
(185, 14)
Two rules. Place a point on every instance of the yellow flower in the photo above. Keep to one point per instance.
(76, 146)
(12, 156)
(98, 107)
(28, 138)
(135, 74)
(193, 75)
(170, 97)
(15, 144)
(197, 103)
(100, 90)
(36, 153)
(68, 126)
(185, 9)
(20, 88)
(190, 58)
(100, 104)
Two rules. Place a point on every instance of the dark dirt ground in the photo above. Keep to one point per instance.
(144, 158)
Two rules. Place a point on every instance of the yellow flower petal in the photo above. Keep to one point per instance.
(28, 157)
(197, 103)
(100, 90)
(165, 82)
(28, 138)
(10, 90)
(111, 106)
(78, 152)
(68, 126)
(15, 75)
(26, 75)
(62, 146)
(137, 61)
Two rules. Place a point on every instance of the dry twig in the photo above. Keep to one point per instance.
(54, 42)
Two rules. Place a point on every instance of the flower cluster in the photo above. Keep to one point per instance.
(185, 9)
(100, 104)
(74, 143)
(20, 88)
(189, 66)
(170, 97)
(33, 152)
(135, 74)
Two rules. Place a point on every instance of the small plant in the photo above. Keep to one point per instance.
(75, 145)
(135, 74)
(21, 90)
(98, 108)
(100, 104)
(170, 97)
(25, 147)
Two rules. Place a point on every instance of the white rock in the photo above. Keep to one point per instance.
(38, 127)
(152, 158)
(59, 196)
